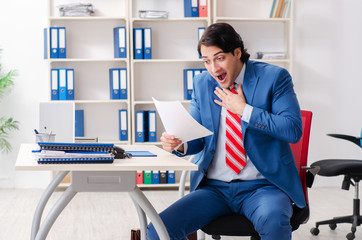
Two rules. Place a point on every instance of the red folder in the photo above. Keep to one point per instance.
(139, 179)
(202, 8)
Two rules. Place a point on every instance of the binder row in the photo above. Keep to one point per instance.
(75, 160)
(77, 147)
(155, 177)
(57, 42)
(62, 83)
(118, 83)
(189, 75)
(142, 39)
(146, 125)
(195, 8)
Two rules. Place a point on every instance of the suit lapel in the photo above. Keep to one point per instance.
(249, 85)
(215, 109)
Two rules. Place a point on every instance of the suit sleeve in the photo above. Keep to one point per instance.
(283, 118)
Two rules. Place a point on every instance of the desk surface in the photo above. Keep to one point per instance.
(163, 161)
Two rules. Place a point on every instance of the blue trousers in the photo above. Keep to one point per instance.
(266, 206)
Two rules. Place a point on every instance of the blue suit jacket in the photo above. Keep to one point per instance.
(275, 122)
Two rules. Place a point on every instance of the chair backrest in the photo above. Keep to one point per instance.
(300, 150)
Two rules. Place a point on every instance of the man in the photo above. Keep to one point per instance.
(251, 172)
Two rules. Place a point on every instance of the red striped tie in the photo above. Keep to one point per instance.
(235, 152)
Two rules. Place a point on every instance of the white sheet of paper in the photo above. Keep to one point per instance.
(178, 122)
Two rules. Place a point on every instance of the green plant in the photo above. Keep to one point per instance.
(6, 124)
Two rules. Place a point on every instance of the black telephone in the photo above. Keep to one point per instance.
(120, 153)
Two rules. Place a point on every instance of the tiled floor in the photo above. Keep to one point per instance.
(110, 216)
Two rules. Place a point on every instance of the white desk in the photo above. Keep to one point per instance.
(119, 176)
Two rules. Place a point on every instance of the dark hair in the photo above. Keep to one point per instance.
(224, 36)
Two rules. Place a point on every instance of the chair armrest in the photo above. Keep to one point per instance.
(310, 174)
(355, 140)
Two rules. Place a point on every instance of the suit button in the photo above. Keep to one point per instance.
(203, 171)
(212, 151)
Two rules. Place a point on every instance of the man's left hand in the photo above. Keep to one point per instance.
(232, 102)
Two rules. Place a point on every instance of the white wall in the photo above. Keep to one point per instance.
(326, 75)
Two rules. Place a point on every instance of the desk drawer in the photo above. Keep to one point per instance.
(88, 181)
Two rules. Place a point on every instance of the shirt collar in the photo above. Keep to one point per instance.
(240, 78)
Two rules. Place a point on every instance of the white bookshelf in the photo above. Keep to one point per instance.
(89, 46)
(251, 20)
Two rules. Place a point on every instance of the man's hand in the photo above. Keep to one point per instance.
(169, 142)
(232, 102)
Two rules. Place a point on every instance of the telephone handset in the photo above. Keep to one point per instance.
(120, 153)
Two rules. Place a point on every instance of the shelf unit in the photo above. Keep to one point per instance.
(172, 52)
(89, 46)
(251, 20)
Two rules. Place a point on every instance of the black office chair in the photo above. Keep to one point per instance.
(352, 171)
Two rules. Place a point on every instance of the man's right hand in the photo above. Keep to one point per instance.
(169, 142)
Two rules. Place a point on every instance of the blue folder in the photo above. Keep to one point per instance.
(62, 84)
(147, 33)
(141, 126)
(138, 43)
(123, 83)
(53, 40)
(188, 82)
(70, 84)
(79, 123)
(191, 8)
(62, 42)
(123, 125)
(119, 35)
(152, 126)
(114, 83)
(54, 82)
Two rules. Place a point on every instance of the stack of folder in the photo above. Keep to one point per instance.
(195, 8)
(118, 83)
(142, 38)
(189, 75)
(57, 42)
(156, 177)
(146, 125)
(59, 153)
(62, 83)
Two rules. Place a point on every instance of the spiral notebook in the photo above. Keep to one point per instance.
(65, 153)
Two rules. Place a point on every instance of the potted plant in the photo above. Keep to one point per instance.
(7, 124)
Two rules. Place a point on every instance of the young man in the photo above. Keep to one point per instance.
(246, 166)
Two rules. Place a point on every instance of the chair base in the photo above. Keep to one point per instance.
(355, 220)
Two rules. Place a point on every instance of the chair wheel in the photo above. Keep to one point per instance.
(350, 236)
(314, 231)
(332, 226)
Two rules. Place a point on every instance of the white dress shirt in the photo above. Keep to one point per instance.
(218, 169)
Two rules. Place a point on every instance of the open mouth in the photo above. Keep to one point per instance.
(222, 77)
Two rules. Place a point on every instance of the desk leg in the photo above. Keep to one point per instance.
(147, 207)
(63, 201)
(43, 201)
(142, 219)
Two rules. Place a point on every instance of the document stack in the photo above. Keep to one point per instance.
(76, 10)
(60, 153)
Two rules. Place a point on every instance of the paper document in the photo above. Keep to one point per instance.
(178, 122)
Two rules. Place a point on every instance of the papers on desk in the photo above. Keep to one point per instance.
(178, 122)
